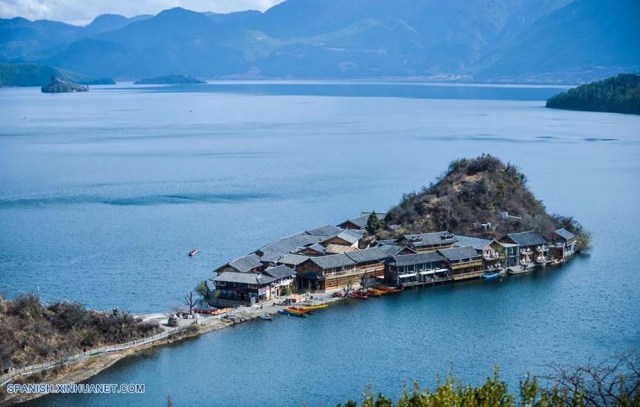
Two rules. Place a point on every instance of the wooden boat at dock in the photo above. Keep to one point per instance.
(291, 312)
(266, 317)
(299, 310)
(312, 307)
(389, 290)
(375, 292)
(357, 295)
(491, 275)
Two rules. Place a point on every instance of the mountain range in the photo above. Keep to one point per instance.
(481, 40)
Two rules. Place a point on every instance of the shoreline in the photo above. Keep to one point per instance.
(83, 370)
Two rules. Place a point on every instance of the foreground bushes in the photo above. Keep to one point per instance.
(33, 333)
(612, 384)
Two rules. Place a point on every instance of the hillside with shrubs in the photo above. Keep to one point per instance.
(31, 332)
(481, 197)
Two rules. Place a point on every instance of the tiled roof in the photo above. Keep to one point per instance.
(270, 257)
(280, 272)
(293, 259)
(324, 231)
(243, 278)
(333, 261)
(459, 253)
(246, 263)
(475, 242)
(339, 248)
(361, 221)
(418, 258)
(431, 239)
(565, 234)
(529, 238)
(291, 243)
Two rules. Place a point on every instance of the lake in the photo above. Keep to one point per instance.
(102, 194)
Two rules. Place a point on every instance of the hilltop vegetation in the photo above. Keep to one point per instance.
(40, 75)
(473, 193)
(33, 333)
(620, 94)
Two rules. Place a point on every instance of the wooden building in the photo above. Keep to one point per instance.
(245, 264)
(428, 242)
(236, 288)
(464, 262)
(326, 272)
(409, 270)
(533, 247)
(563, 245)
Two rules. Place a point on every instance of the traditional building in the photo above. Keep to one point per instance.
(245, 264)
(327, 272)
(563, 245)
(416, 269)
(533, 247)
(464, 262)
(236, 288)
(284, 280)
(360, 222)
(347, 237)
(370, 262)
(428, 242)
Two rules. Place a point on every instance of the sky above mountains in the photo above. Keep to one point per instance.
(81, 12)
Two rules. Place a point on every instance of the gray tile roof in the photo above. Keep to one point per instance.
(280, 272)
(349, 235)
(529, 238)
(475, 242)
(326, 230)
(333, 261)
(460, 253)
(246, 263)
(361, 221)
(291, 243)
(367, 255)
(270, 257)
(293, 259)
(317, 247)
(431, 239)
(418, 258)
(565, 234)
(243, 278)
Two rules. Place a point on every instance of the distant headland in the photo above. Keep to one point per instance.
(60, 86)
(169, 80)
(618, 94)
(40, 75)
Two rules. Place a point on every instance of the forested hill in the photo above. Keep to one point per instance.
(473, 192)
(39, 75)
(620, 94)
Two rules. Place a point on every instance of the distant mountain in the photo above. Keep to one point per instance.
(618, 95)
(169, 80)
(488, 40)
(40, 75)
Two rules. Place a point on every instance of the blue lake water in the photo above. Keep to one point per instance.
(102, 195)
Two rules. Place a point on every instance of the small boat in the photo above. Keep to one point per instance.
(375, 292)
(300, 310)
(290, 313)
(219, 311)
(389, 290)
(194, 252)
(518, 270)
(266, 317)
(491, 275)
(357, 295)
(312, 307)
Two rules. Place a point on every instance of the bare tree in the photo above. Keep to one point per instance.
(615, 383)
(189, 301)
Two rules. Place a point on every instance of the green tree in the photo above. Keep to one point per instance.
(373, 224)
(203, 290)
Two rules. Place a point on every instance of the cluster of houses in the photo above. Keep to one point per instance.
(332, 258)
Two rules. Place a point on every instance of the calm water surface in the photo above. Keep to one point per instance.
(103, 194)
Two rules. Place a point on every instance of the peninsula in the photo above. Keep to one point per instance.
(169, 80)
(60, 86)
(619, 94)
(478, 221)
(40, 75)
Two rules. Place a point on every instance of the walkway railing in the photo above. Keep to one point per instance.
(40, 367)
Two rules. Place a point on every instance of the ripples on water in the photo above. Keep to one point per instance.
(103, 194)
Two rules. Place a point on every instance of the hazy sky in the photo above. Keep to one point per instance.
(83, 11)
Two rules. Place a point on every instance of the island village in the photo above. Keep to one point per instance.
(341, 261)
